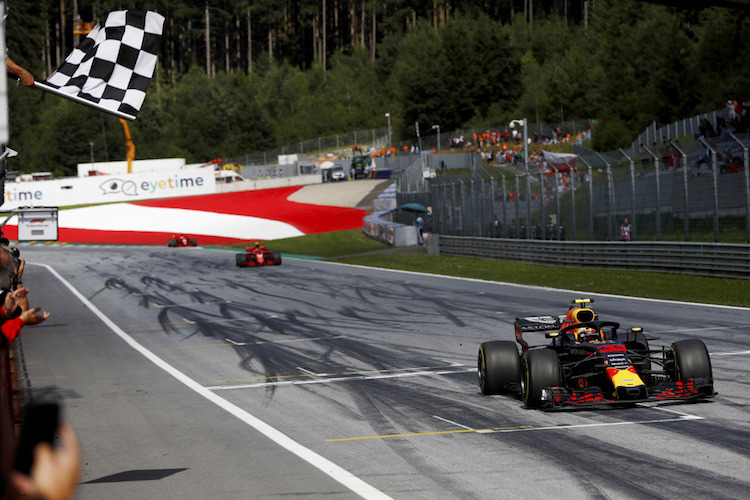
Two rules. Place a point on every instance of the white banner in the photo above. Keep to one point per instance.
(561, 161)
(109, 188)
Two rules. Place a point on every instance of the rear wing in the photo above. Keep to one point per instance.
(536, 324)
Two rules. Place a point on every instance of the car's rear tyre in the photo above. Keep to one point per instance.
(541, 368)
(690, 360)
(171, 243)
(498, 367)
(192, 242)
(240, 257)
(276, 256)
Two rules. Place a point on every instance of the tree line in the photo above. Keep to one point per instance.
(236, 76)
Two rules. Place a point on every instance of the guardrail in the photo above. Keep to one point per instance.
(704, 259)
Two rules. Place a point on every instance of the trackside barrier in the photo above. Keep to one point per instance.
(703, 259)
(391, 233)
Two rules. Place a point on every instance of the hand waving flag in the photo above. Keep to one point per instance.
(111, 69)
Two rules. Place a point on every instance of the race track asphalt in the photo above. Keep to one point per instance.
(187, 377)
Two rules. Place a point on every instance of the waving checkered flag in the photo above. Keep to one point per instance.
(111, 69)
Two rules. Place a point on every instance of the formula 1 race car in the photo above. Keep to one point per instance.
(181, 241)
(258, 255)
(589, 363)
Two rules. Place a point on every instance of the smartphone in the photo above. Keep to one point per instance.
(40, 422)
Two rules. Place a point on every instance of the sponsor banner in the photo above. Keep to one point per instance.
(109, 188)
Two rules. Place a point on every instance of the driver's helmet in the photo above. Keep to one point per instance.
(257, 245)
(588, 334)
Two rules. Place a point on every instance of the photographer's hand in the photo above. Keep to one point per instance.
(13, 300)
(56, 471)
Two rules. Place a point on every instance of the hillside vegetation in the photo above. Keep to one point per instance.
(262, 73)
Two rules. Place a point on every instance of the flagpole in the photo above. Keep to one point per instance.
(80, 100)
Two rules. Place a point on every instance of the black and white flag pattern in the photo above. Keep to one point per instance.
(111, 69)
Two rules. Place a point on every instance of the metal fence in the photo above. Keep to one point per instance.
(694, 189)
(705, 259)
(376, 137)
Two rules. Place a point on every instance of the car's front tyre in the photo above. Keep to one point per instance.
(498, 367)
(689, 360)
(541, 368)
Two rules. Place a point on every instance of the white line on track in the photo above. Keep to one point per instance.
(452, 422)
(336, 472)
(348, 378)
(682, 414)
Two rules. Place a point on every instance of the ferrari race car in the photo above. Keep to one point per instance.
(589, 363)
(258, 255)
(181, 241)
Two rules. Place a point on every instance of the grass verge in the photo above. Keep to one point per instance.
(352, 247)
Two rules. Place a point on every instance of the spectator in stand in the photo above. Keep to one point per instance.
(512, 229)
(522, 230)
(626, 230)
(496, 228)
(706, 129)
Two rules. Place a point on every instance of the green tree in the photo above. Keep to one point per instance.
(419, 80)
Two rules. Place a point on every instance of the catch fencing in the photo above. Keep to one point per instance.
(693, 189)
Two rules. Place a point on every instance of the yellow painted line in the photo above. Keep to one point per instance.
(457, 431)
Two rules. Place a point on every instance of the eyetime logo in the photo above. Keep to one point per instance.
(131, 188)
(49, 192)
(16, 195)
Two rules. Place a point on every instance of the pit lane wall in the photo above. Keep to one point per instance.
(703, 259)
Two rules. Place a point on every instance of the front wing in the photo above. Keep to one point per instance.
(562, 398)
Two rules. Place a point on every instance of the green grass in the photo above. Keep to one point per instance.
(344, 245)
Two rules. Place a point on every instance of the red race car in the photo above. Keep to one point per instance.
(182, 241)
(258, 255)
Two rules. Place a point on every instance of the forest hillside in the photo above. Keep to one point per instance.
(238, 76)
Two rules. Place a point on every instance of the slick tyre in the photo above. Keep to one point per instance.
(498, 367)
(276, 257)
(690, 360)
(240, 258)
(541, 368)
(171, 243)
(637, 342)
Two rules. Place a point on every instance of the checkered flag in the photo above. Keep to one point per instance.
(111, 69)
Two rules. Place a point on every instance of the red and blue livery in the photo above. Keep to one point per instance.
(589, 363)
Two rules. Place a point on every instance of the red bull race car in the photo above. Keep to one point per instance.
(590, 363)
(258, 255)
(182, 241)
